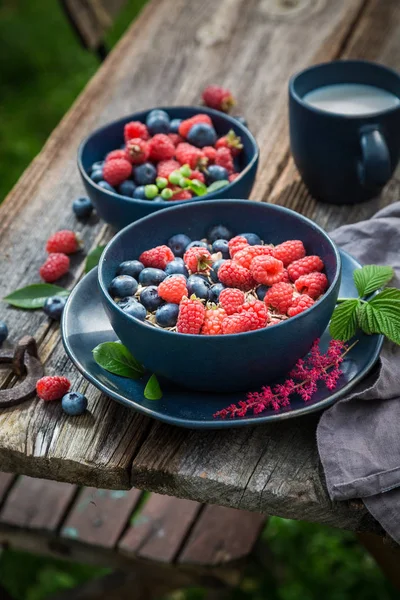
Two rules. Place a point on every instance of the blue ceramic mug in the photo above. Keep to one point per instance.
(345, 129)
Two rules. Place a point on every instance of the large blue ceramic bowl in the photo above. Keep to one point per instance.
(119, 210)
(228, 362)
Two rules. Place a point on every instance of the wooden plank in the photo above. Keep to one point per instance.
(91, 19)
(159, 530)
(98, 517)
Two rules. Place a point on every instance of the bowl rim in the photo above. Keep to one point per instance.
(218, 338)
(137, 116)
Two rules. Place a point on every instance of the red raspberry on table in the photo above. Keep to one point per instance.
(65, 241)
(305, 265)
(289, 251)
(245, 256)
(266, 269)
(300, 304)
(233, 275)
(116, 171)
(230, 141)
(52, 388)
(161, 147)
(187, 124)
(182, 195)
(236, 244)
(237, 323)
(218, 97)
(173, 289)
(197, 175)
(197, 259)
(166, 167)
(231, 299)
(191, 316)
(115, 154)
(136, 129)
(313, 284)
(137, 151)
(190, 155)
(280, 297)
(212, 324)
(223, 158)
(233, 176)
(157, 257)
(175, 138)
(258, 313)
(210, 153)
(56, 265)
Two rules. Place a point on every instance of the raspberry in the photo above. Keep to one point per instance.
(116, 171)
(212, 324)
(266, 269)
(65, 241)
(188, 154)
(210, 153)
(305, 265)
(230, 141)
(182, 195)
(166, 167)
(280, 297)
(237, 243)
(223, 158)
(175, 138)
(218, 97)
(237, 323)
(191, 316)
(233, 176)
(161, 147)
(115, 154)
(173, 289)
(56, 265)
(300, 304)
(245, 256)
(197, 175)
(137, 151)
(197, 259)
(187, 124)
(285, 277)
(258, 313)
(313, 284)
(231, 299)
(136, 129)
(233, 275)
(289, 251)
(157, 257)
(52, 388)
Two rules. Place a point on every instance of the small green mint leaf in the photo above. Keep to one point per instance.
(92, 259)
(152, 391)
(116, 358)
(35, 295)
(343, 323)
(382, 315)
(370, 278)
(217, 185)
(197, 186)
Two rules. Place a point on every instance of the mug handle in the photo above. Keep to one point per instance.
(375, 167)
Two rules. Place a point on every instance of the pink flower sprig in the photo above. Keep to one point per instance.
(303, 380)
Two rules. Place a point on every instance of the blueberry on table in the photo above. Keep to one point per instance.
(150, 299)
(151, 276)
(215, 291)
(54, 306)
(167, 315)
(174, 125)
(261, 290)
(96, 176)
(106, 186)
(221, 246)
(82, 207)
(139, 193)
(126, 188)
(198, 286)
(123, 285)
(202, 134)
(145, 174)
(178, 243)
(216, 173)
(177, 267)
(3, 332)
(158, 122)
(214, 270)
(197, 244)
(74, 403)
(252, 238)
(219, 232)
(130, 267)
(132, 307)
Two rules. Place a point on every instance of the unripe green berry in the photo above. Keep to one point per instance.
(161, 182)
(185, 170)
(182, 182)
(166, 194)
(151, 191)
(175, 177)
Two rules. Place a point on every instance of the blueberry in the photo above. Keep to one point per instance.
(167, 315)
(202, 134)
(74, 403)
(198, 286)
(82, 207)
(174, 125)
(127, 188)
(132, 307)
(219, 232)
(106, 186)
(215, 291)
(241, 120)
(150, 299)
(216, 173)
(214, 270)
(123, 285)
(145, 174)
(97, 166)
(96, 176)
(252, 238)
(139, 193)
(131, 268)
(157, 122)
(176, 267)
(197, 244)
(54, 306)
(261, 291)
(178, 243)
(151, 276)
(221, 246)
(3, 332)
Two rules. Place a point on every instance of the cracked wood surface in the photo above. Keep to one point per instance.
(253, 47)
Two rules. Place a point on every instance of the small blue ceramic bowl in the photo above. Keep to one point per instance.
(223, 363)
(118, 210)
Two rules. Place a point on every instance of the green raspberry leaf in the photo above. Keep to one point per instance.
(371, 278)
(34, 296)
(382, 314)
(116, 358)
(343, 323)
(198, 187)
(152, 391)
(92, 259)
(217, 185)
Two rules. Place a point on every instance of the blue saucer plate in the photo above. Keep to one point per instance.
(85, 325)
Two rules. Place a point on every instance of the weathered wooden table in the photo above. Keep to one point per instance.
(169, 54)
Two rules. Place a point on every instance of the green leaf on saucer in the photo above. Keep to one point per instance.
(217, 185)
(116, 358)
(92, 259)
(35, 295)
(343, 323)
(152, 391)
(371, 278)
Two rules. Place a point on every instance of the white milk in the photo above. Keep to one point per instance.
(351, 99)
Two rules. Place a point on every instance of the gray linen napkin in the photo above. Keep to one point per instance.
(359, 437)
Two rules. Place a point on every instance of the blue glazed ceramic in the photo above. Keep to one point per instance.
(229, 362)
(118, 210)
(85, 325)
(344, 159)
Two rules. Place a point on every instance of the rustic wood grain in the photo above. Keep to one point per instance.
(91, 19)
